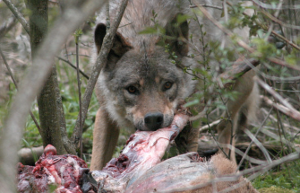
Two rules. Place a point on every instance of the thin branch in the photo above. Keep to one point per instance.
(208, 126)
(79, 96)
(73, 66)
(274, 19)
(264, 27)
(31, 85)
(240, 42)
(277, 138)
(272, 24)
(101, 61)
(249, 146)
(225, 10)
(277, 34)
(5, 27)
(264, 75)
(287, 109)
(72, 54)
(273, 32)
(247, 157)
(275, 120)
(206, 5)
(16, 85)
(17, 14)
(258, 143)
(281, 108)
(268, 6)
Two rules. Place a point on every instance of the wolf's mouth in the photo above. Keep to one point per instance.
(154, 123)
(153, 120)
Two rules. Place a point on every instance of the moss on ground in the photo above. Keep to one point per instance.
(274, 189)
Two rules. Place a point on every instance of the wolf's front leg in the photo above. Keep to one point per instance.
(248, 96)
(105, 137)
(187, 140)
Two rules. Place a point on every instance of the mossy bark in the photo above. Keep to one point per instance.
(49, 101)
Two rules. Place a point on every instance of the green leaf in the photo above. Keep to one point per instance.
(191, 103)
(153, 30)
(182, 18)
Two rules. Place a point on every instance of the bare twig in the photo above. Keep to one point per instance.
(275, 120)
(261, 147)
(284, 39)
(31, 85)
(268, 6)
(287, 109)
(241, 42)
(248, 158)
(208, 126)
(264, 75)
(273, 32)
(101, 61)
(280, 107)
(73, 54)
(16, 85)
(270, 16)
(264, 27)
(248, 149)
(277, 138)
(206, 5)
(277, 34)
(225, 10)
(272, 24)
(5, 27)
(17, 14)
(280, 130)
(79, 96)
(73, 66)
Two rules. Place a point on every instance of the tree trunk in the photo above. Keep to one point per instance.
(49, 101)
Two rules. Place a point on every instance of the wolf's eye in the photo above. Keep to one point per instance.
(132, 90)
(167, 85)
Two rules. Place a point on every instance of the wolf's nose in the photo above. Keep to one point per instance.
(154, 120)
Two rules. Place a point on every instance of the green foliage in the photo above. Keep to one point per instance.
(69, 93)
(77, 34)
(274, 189)
(32, 137)
(156, 29)
(264, 49)
(182, 18)
(286, 178)
(213, 59)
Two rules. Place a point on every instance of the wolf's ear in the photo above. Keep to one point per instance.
(177, 36)
(120, 46)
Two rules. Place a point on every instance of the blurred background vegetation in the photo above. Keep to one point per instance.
(280, 133)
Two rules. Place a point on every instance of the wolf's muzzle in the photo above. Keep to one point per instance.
(154, 121)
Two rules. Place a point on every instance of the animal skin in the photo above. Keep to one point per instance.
(143, 81)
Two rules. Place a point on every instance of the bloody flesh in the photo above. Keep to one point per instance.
(138, 169)
(68, 173)
(63, 172)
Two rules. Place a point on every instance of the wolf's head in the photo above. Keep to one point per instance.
(141, 84)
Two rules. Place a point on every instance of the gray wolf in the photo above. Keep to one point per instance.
(141, 85)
